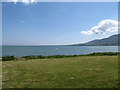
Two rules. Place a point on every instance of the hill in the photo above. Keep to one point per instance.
(110, 41)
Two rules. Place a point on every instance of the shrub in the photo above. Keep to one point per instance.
(8, 58)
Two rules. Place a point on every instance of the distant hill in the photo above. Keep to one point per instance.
(110, 41)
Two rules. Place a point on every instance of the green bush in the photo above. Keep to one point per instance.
(103, 54)
(8, 58)
(34, 57)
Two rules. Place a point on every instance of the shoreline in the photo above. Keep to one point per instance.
(9, 58)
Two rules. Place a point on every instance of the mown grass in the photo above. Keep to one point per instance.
(72, 72)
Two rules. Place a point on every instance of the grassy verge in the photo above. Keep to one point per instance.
(72, 72)
(9, 58)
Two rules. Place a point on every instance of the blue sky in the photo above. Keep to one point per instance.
(53, 23)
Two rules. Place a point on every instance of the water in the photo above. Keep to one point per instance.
(54, 50)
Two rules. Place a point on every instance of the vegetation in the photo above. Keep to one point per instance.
(72, 72)
(7, 58)
(103, 54)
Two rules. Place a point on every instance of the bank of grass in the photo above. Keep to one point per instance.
(69, 72)
(9, 58)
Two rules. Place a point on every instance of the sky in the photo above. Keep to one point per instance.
(60, 23)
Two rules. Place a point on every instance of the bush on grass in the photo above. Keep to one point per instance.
(8, 58)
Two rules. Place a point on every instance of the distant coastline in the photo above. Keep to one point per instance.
(110, 41)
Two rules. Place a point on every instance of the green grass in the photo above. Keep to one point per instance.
(72, 72)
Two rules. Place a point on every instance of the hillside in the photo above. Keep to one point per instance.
(110, 41)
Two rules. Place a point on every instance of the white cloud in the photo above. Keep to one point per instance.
(67, 0)
(23, 1)
(103, 27)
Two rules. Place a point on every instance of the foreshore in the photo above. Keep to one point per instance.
(8, 58)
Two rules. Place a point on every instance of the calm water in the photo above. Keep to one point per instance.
(55, 50)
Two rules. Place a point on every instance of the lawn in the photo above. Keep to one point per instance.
(71, 72)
